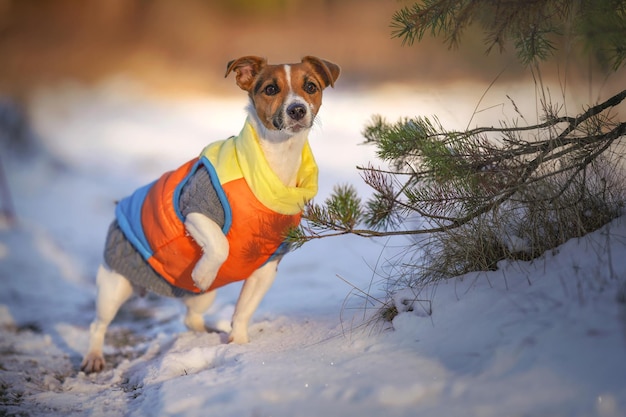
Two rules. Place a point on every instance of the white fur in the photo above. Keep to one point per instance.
(288, 75)
(283, 151)
(252, 292)
(196, 306)
(214, 244)
(113, 291)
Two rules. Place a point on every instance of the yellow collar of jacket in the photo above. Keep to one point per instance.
(241, 157)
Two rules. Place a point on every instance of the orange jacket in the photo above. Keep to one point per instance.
(255, 227)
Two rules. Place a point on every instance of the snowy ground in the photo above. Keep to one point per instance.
(533, 339)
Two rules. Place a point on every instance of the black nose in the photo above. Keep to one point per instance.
(296, 111)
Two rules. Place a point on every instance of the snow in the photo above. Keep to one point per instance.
(541, 338)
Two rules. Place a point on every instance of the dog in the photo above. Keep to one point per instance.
(223, 216)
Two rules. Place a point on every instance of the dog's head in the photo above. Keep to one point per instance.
(284, 97)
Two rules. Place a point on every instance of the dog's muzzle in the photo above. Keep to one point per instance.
(295, 115)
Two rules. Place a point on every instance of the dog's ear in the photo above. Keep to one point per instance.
(327, 70)
(246, 68)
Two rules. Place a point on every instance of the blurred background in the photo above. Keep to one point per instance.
(182, 47)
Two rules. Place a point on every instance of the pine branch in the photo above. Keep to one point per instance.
(465, 180)
(531, 25)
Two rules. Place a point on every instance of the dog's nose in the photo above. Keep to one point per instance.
(296, 111)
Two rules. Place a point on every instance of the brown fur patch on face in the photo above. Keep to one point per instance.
(268, 93)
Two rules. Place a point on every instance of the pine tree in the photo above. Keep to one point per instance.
(490, 193)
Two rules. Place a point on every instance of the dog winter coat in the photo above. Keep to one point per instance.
(257, 210)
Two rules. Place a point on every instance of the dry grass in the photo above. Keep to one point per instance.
(530, 226)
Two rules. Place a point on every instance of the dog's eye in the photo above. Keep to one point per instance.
(310, 88)
(271, 90)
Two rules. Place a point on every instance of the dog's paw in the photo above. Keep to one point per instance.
(93, 362)
(204, 273)
(238, 338)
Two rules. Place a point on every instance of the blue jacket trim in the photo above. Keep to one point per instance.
(282, 250)
(128, 214)
(215, 181)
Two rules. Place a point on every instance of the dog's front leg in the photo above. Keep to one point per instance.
(212, 240)
(252, 292)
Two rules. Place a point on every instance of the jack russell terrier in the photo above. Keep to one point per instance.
(223, 216)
